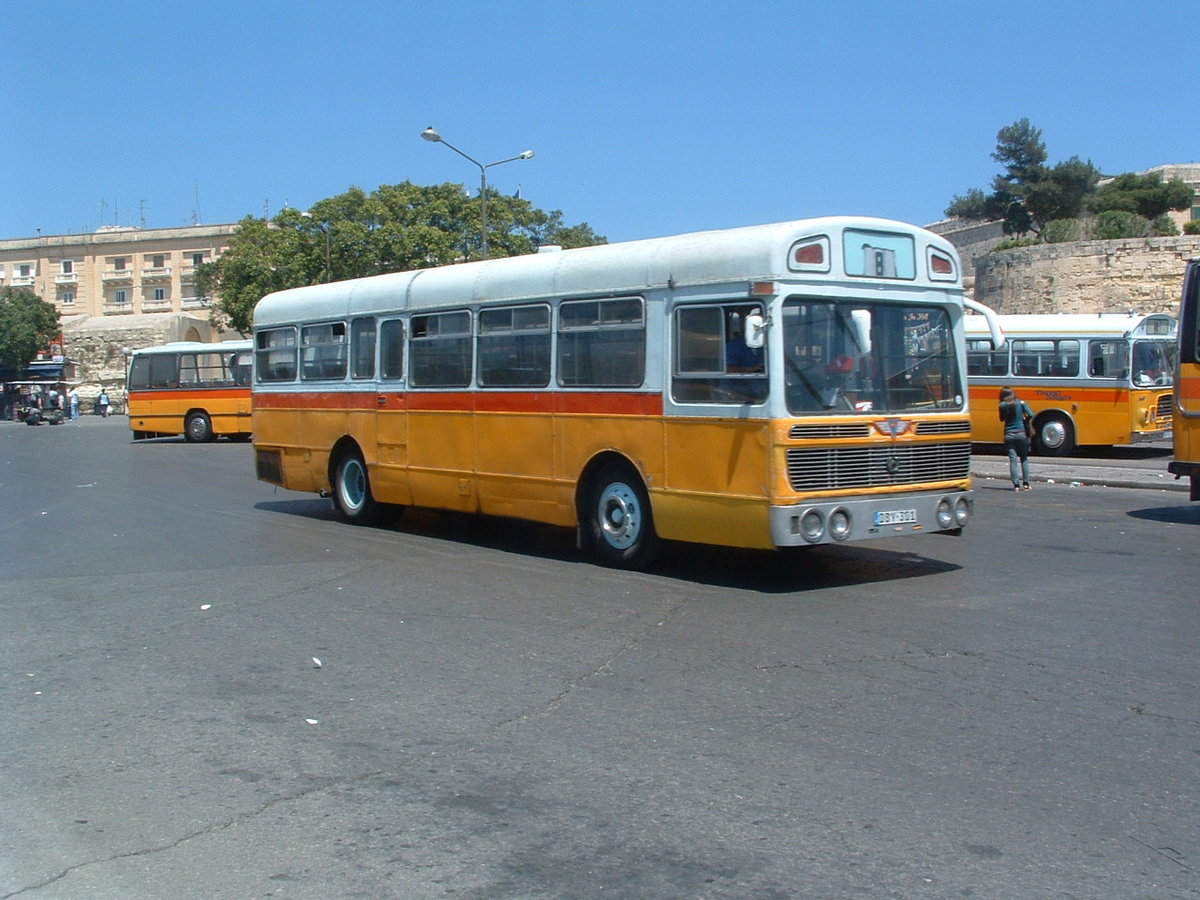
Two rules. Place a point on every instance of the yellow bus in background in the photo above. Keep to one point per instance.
(1091, 380)
(771, 386)
(199, 390)
(1187, 384)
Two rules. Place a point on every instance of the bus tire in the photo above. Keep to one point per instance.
(619, 522)
(197, 429)
(352, 490)
(1055, 436)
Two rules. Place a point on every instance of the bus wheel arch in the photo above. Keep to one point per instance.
(350, 484)
(616, 521)
(197, 427)
(1054, 433)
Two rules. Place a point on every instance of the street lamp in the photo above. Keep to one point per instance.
(430, 134)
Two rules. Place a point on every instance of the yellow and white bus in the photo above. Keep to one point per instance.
(1091, 380)
(770, 386)
(191, 388)
(1186, 421)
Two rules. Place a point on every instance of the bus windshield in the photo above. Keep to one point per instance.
(1154, 362)
(845, 356)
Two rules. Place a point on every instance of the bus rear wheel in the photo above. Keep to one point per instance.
(352, 491)
(1055, 436)
(619, 522)
(198, 428)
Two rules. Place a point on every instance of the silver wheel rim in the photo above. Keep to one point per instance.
(197, 428)
(353, 485)
(1053, 434)
(620, 516)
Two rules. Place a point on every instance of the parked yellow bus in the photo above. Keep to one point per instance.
(771, 386)
(1186, 421)
(1091, 380)
(195, 389)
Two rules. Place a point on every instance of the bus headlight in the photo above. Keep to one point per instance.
(812, 526)
(945, 513)
(962, 511)
(839, 524)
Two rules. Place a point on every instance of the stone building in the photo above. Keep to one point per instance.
(116, 290)
(115, 271)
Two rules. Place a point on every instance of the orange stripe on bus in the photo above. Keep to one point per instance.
(198, 393)
(621, 403)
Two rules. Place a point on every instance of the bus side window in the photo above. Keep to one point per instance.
(362, 348)
(1108, 359)
(713, 364)
(276, 351)
(602, 343)
(391, 349)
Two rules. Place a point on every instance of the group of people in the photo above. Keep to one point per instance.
(67, 402)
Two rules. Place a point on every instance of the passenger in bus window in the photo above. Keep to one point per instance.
(1018, 423)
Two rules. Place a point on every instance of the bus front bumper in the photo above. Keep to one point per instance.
(834, 521)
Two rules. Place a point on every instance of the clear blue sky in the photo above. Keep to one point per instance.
(648, 117)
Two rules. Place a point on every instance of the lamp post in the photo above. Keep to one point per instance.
(430, 134)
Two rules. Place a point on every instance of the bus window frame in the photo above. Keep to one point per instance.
(457, 348)
(389, 363)
(721, 381)
(363, 347)
(572, 340)
(526, 347)
(267, 368)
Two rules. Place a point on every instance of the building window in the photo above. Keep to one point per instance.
(122, 296)
(119, 264)
(68, 297)
(68, 266)
(160, 293)
(158, 262)
(198, 259)
(24, 270)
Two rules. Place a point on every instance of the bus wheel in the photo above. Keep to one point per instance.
(619, 521)
(1055, 436)
(352, 490)
(198, 428)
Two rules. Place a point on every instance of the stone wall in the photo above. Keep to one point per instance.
(97, 346)
(1144, 275)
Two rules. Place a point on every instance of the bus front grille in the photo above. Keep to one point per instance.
(944, 426)
(840, 468)
(823, 432)
(1166, 405)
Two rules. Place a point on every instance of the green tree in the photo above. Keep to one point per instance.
(1029, 193)
(28, 325)
(394, 228)
(1147, 195)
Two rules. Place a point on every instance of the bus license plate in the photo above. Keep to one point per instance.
(895, 516)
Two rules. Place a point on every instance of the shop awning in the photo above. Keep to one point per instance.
(44, 371)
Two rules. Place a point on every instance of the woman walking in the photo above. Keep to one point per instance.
(1017, 418)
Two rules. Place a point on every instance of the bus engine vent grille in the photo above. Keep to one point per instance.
(839, 468)
(1166, 404)
(951, 426)
(825, 432)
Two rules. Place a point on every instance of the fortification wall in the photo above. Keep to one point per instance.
(1140, 274)
(97, 345)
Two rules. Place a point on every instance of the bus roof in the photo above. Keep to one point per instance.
(1076, 325)
(754, 253)
(196, 347)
